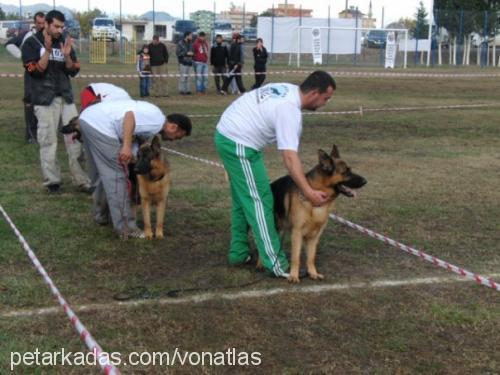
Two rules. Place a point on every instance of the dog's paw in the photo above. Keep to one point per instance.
(148, 235)
(316, 276)
(159, 236)
(293, 278)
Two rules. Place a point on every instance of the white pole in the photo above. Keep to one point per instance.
(298, 47)
(406, 49)
(431, 21)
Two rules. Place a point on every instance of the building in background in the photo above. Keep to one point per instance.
(366, 20)
(142, 30)
(290, 10)
(204, 19)
(238, 17)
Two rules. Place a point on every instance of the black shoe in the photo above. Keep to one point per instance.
(54, 189)
(87, 189)
(188, 93)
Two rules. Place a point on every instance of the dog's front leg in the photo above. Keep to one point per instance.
(312, 246)
(160, 215)
(295, 256)
(146, 216)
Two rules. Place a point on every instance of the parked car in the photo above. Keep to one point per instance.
(18, 27)
(181, 26)
(250, 33)
(224, 28)
(104, 27)
(375, 39)
(72, 27)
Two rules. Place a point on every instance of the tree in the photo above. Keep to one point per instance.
(2, 14)
(421, 30)
(86, 19)
(408, 23)
(267, 13)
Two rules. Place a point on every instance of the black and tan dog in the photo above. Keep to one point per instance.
(153, 175)
(306, 223)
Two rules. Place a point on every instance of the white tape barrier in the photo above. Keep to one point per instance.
(85, 335)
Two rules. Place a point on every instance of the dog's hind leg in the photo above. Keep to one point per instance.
(160, 215)
(146, 216)
(311, 247)
(296, 237)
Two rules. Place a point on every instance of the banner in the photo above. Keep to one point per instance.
(390, 50)
(316, 46)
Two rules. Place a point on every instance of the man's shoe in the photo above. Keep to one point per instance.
(31, 141)
(86, 188)
(54, 189)
(222, 92)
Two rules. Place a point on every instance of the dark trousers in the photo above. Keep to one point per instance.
(144, 86)
(218, 78)
(237, 76)
(31, 121)
(259, 78)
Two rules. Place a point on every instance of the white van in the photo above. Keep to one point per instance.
(224, 28)
(104, 28)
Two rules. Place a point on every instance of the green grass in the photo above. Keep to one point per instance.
(432, 182)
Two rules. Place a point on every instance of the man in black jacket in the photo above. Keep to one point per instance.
(50, 59)
(260, 61)
(218, 59)
(235, 62)
(159, 60)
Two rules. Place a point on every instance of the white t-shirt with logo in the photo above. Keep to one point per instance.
(107, 91)
(107, 117)
(269, 114)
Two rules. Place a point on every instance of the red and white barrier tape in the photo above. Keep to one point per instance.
(85, 335)
(438, 262)
(284, 72)
(362, 110)
(429, 258)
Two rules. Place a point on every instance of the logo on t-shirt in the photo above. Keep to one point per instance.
(272, 91)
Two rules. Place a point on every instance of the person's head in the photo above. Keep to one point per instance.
(241, 39)
(176, 126)
(316, 90)
(188, 36)
(39, 19)
(218, 39)
(259, 43)
(54, 23)
(202, 35)
(235, 36)
(145, 49)
(156, 39)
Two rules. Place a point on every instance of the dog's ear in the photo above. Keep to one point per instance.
(156, 144)
(326, 162)
(335, 152)
(140, 139)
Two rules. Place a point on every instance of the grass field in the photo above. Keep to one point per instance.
(433, 180)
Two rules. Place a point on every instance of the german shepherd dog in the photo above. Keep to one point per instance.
(153, 175)
(306, 222)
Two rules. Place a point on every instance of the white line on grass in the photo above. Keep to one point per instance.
(244, 294)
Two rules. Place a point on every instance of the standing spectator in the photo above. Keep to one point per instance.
(200, 59)
(235, 62)
(51, 60)
(159, 60)
(218, 59)
(185, 54)
(260, 58)
(144, 69)
(14, 46)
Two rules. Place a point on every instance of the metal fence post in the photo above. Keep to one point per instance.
(356, 38)
(328, 38)
(484, 51)
(461, 38)
(272, 33)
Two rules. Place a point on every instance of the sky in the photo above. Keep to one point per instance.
(393, 9)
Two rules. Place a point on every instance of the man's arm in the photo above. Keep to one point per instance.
(294, 165)
(128, 133)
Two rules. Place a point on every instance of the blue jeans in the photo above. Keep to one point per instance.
(145, 83)
(201, 71)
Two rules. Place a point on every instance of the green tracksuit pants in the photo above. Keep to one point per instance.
(252, 206)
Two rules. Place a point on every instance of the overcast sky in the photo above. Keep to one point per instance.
(394, 9)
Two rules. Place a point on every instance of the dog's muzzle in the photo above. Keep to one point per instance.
(355, 182)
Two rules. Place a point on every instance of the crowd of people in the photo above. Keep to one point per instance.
(194, 57)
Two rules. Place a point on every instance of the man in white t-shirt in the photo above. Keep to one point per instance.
(108, 129)
(270, 114)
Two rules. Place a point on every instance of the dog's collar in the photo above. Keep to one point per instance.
(156, 179)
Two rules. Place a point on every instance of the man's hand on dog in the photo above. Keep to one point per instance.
(316, 197)
(125, 154)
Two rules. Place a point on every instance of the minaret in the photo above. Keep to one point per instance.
(370, 10)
